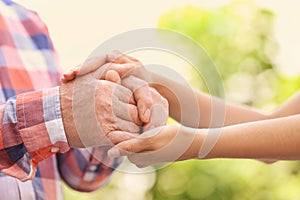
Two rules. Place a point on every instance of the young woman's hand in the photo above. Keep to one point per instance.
(160, 145)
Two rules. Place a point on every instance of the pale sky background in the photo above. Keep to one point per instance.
(77, 26)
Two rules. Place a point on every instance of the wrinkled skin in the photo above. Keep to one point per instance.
(114, 105)
(88, 110)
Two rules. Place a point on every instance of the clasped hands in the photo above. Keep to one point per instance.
(103, 103)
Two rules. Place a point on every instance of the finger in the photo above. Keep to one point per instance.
(96, 60)
(72, 71)
(144, 102)
(127, 126)
(143, 143)
(117, 57)
(121, 69)
(124, 94)
(126, 148)
(119, 136)
(69, 75)
(92, 63)
(127, 112)
(158, 98)
(63, 80)
(159, 111)
(127, 59)
(67, 78)
(142, 95)
(158, 118)
(113, 76)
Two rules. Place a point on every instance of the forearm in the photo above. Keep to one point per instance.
(269, 139)
(236, 114)
(187, 105)
(231, 113)
(273, 139)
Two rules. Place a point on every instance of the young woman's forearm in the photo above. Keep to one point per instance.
(233, 113)
(236, 114)
(200, 106)
(182, 97)
(268, 139)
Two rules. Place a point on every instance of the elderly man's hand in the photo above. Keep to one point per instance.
(115, 63)
(91, 108)
(152, 108)
(160, 145)
(159, 110)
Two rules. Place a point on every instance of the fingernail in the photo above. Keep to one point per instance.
(113, 152)
(147, 114)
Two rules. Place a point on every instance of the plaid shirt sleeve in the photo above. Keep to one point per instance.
(32, 130)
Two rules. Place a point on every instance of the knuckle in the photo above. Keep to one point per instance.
(148, 101)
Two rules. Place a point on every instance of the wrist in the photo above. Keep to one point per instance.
(197, 137)
(66, 107)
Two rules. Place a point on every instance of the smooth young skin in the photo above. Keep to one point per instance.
(274, 139)
(248, 133)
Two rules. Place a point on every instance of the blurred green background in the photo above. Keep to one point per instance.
(239, 37)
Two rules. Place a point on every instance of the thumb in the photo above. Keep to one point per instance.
(120, 69)
(127, 147)
(120, 136)
(92, 63)
(96, 59)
